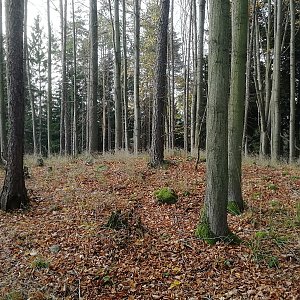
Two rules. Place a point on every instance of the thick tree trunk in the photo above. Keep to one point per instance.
(236, 102)
(157, 145)
(14, 195)
(93, 125)
(137, 110)
(214, 220)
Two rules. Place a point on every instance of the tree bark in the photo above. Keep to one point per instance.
(215, 210)
(137, 111)
(237, 101)
(3, 131)
(292, 85)
(14, 194)
(93, 127)
(275, 115)
(157, 145)
(49, 92)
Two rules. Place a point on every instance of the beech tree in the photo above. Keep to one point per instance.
(157, 145)
(14, 194)
(213, 224)
(236, 103)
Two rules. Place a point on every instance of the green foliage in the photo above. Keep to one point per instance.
(117, 220)
(272, 187)
(166, 195)
(40, 263)
(261, 234)
(298, 213)
(14, 295)
(233, 208)
(273, 262)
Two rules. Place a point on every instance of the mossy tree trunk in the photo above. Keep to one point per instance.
(214, 217)
(14, 195)
(237, 101)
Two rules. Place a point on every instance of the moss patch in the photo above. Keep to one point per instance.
(166, 195)
(204, 233)
(233, 208)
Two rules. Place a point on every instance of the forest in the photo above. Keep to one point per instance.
(149, 149)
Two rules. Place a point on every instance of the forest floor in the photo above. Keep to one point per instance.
(60, 249)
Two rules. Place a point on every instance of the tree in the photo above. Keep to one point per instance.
(236, 103)
(92, 117)
(49, 93)
(157, 145)
(213, 224)
(14, 194)
(3, 134)
(292, 85)
(137, 111)
(275, 114)
(117, 78)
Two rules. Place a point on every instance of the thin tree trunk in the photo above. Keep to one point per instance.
(75, 117)
(125, 81)
(3, 132)
(137, 111)
(292, 85)
(93, 126)
(236, 103)
(200, 72)
(49, 93)
(275, 116)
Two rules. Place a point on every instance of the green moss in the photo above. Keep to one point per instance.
(261, 234)
(273, 187)
(204, 233)
(233, 208)
(40, 263)
(166, 195)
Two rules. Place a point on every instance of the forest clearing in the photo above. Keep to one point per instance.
(60, 248)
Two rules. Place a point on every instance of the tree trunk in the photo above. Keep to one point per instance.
(236, 102)
(49, 93)
(137, 111)
(74, 139)
(214, 225)
(157, 145)
(292, 84)
(14, 194)
(3, 133)
(93, 126)
(275, 115)
(125, 81)
(200, 72)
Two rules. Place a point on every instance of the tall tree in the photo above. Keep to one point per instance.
(137, 111)
(200, 81)
(14, 194)
(213, 224)
(236, 103)
(49, 94)
(275, 113)
(292, 84)
(93, 126)
(157, 144)
(125, 74)
(75, 117)
(3, 134)
(117, 78)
